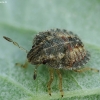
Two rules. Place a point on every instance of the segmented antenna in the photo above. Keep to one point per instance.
(15, 43)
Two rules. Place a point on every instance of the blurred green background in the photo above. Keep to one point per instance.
(21, 20)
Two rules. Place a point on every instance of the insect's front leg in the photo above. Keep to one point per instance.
(22, 65)
(51, 80)
(35, 72)
(60, 82)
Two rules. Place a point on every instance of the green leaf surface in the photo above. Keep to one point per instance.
(21, 20)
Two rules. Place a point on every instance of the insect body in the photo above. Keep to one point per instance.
(59, 49)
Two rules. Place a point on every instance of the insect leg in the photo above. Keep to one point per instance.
(22, 65)
(60, 81)
(85, 69)
(50, 81)
(35, 72)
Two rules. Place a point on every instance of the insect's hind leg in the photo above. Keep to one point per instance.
(51, 80)
(22, 65)
(86, 69)
(60, 81)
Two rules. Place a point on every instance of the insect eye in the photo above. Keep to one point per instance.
(33, 46)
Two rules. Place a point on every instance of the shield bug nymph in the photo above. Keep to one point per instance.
(59, 49)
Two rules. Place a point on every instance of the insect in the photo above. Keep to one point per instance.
(58, 49)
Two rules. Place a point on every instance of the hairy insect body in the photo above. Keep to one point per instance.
(59, 49)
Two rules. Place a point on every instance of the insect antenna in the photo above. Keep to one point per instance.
(15, 43)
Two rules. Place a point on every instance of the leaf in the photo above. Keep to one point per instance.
(21, 21)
